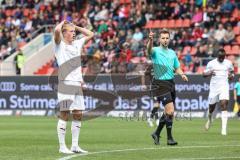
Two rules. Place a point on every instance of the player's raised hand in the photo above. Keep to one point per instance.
(151, 35)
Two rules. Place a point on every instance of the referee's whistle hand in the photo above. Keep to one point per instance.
(184, 78)
(151, 34)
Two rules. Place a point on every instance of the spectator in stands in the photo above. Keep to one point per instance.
(188, 58)
(220, 33)
(137, 35)
(139, 20)
(205, 35)
(102, 14)
(126, 53)
(3, 52)
(202, 53)
(116, 21)
(198, 15)
(103, 27)
(197, 33)
(196, 64)
(229, 35)
(184, 38)
(227, 6)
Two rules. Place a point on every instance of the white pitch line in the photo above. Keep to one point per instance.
(207, 158)
(157, 148)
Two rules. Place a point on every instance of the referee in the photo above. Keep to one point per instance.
(237, 95)
(165, 64)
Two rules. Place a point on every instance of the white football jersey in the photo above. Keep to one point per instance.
(221, 71)
(64, 53)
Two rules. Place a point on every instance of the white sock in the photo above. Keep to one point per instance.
(75, 132)
(224, 120)
(61, 130)
(210, 117)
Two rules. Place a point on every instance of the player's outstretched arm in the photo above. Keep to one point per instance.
(183, 76)
(89, 34)
(57, 32)
(208, 73)
(150, 43)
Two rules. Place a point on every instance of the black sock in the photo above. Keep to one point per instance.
(238, 113)
(161, 124)
(169, 122)
(154, 111)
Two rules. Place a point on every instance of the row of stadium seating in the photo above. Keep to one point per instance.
(230, 50)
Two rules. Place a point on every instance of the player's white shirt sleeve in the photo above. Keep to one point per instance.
(208, 67)
(230, 66)
(219, 82)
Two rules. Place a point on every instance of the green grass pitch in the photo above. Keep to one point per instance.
(35, 138)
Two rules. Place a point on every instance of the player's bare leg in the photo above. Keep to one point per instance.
(61, 130)
(210, 111)
(75, 128)
(224, 116)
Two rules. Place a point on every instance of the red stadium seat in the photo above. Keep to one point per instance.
(156, 24)
(200, 69)
(8, 12)
(50, 70)
(227, 49)
(238, 40)
(236, 30)
(193, 51)
(26, 12)
(171, 23)
(164, 24)
(236, 13)
(125, 1)
(13, 12)
(179, 23)
(235, 50)
(223, 20)
(184, 1)
(231, 58)
(173, 4)
(186, 50)
(21, 44)
(186, 23)
(149, 24)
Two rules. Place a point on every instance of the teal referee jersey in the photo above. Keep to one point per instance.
(237, 87)
(165, 61)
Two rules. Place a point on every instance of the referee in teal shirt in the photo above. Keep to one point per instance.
(165, 65)
(237, 95)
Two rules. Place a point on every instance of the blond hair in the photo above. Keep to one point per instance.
(66, 26)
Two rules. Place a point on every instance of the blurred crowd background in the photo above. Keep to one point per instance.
(198, 29)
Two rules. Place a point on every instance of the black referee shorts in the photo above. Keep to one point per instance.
(164, 90)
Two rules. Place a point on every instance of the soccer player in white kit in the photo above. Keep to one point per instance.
(221, 71)
(66, 49)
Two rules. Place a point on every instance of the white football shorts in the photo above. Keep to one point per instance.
(215, 95)
(70, 99)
